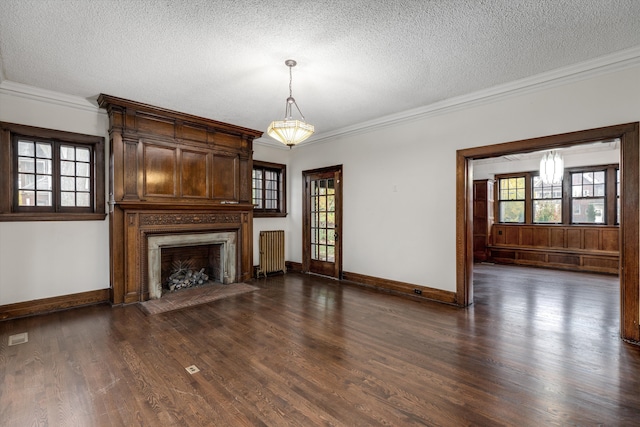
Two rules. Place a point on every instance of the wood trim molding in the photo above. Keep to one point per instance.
(294, 266)
(630, 234)
(400, 288)
(392, 286)
(630, 211)
(464, 231)
(47, 305)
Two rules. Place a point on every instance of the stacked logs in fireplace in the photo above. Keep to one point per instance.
(183, 275)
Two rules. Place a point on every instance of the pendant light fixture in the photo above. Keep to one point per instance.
(551, 168)
(290, 131)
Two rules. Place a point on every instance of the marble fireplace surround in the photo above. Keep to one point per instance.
(155, 243)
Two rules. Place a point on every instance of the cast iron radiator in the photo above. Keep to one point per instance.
(271, 252)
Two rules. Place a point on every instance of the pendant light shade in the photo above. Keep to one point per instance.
(290, 131)
(551, 168)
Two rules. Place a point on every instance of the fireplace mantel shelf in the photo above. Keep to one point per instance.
(218, 206)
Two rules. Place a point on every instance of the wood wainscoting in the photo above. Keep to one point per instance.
(593, 248)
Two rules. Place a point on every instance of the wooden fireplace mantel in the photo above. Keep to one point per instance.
(172, 172)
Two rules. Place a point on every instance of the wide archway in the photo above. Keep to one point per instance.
(629, 215)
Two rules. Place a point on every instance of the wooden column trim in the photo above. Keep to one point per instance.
(630, 234)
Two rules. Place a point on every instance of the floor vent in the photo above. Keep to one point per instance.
(192, 369)
(18, 339)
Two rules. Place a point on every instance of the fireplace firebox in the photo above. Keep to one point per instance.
(213, 251)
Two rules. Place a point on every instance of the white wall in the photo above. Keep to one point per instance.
(409, 234)
(266, 153)
(47, 259)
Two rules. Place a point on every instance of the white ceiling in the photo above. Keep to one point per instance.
(358, 60)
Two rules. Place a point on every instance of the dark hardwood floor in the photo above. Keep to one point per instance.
(538, 347)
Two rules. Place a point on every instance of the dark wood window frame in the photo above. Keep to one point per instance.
(281, 171)
(10, 211)
(526, 200)
(542, 198)
(608, 199)
(610, 193)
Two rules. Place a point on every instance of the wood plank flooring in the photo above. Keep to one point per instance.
(538, 347)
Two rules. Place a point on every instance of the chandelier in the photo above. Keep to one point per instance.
(551, 168)
(290, 131)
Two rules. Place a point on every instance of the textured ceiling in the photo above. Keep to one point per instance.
(358, 60)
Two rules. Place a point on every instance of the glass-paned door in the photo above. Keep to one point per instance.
(322, 221)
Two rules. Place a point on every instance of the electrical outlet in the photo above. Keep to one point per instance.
(417, 291)
(192, 369)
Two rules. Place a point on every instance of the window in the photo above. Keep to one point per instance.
(50, 175)
(588, 197)
(269, 189)
(35, 174)
(547, 202)
(512, 196)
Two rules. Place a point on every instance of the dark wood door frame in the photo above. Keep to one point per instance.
(306, 237)
(629, 211)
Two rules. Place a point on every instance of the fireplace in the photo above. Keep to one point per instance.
(223, 269)
(175, 180)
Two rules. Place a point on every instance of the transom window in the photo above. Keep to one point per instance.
(269, 189)
(50, 174)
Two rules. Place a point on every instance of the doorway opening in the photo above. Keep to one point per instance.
(629, 211)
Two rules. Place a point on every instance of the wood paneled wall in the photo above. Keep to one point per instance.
(172, 172)
(585, 248)
(482, 218)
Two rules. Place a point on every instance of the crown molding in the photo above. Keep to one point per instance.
(574, 73)
(20, 90)
(268, 142)
(599, 66)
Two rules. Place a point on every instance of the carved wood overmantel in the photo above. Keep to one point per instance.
(172, 172)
